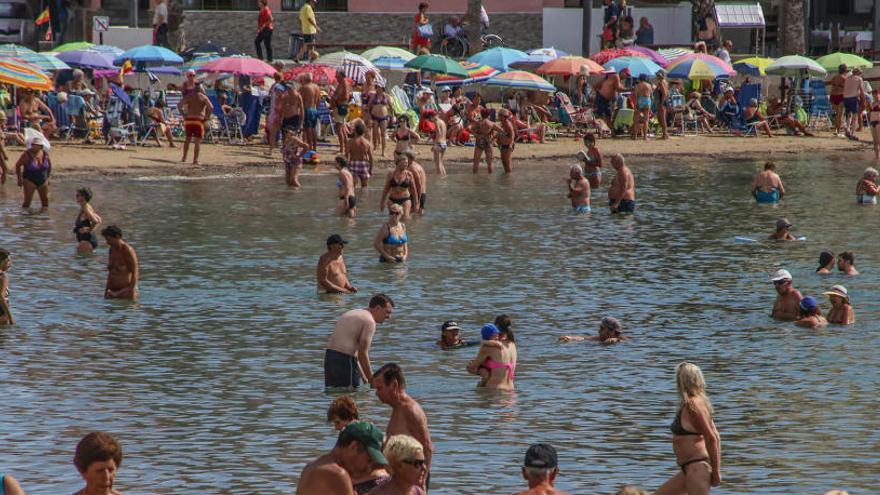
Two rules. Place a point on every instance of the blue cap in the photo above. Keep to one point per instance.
(809, 303)
(489, 330)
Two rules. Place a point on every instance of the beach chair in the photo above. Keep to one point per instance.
(59, 110)
(119, 131)
(172, 114)
(820, 106)
(572, 117)
(623, 120)
(78, 122)
(747, 92)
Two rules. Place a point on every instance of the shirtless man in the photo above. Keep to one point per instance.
(622, 191)
(196, 108)
(291, 108)
(606, 96)
(661, 93)
(540, 469)
(484, 132)
(592, 159)
(157, 115)
(360, 153)
(788, 299)
(578, 190)
(347, 358)
(835, 96)
(421, 178)
(642, 92)
(123, 269)
(310, 93)
(767, 186)
(506, 138)
(846, 262)
(332, 274)
(34, 112)
(853, 94)
(339, 100)
(407, 416)
(782, 231)
(358, 447)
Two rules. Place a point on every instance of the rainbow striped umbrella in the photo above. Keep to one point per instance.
(705, 57)
(521, 80)
(13, 50)
(43, 61)
(24, 75)
(695, 69)
(476, 73)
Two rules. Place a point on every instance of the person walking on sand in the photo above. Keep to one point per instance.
(332, 274)
(606, 96)
(160, 24)
(196, 108)
(540, 469)
(578, 190)
(5, 264)
(788, 299)
(265, 27)
(123, 269)
(347, 356)
(622, 191)
(661, 97)
(407, 416)
(438, 138)
(310, 93)
(642, 91)
(835, 96)
(853, 93)
(309, 26)
(767, 186)
(358, 447)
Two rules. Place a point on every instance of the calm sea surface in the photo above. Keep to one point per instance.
(213, 380)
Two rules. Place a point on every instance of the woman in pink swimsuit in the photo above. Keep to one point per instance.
(496, 356)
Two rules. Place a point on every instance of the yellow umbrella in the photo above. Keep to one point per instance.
(752, 65)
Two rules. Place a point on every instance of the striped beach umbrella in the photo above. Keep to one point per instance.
(605, 55)
(339, 59)
(705, 57)
(13, 50)
(476, 73)
(569, 66)
(24, 75)
(673, 53)
(199, 61)
(44, 61)
(695, 69)
(518, 79)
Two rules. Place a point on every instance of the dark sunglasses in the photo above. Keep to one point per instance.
(393, 214)
(415, 462)
(781, 282)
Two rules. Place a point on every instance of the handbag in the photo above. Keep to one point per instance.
(425, 30)
(607, 34)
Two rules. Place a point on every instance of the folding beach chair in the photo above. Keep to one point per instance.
(820, 107)
(119, 131)
(572, 117)
(747, 92)
(172, 114)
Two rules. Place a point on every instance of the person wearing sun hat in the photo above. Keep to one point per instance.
(358, 447)
(809, 315)
(788, 299)
(841, 310)
(450, 337)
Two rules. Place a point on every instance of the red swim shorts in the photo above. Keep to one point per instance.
(836, 99)
(194, 128)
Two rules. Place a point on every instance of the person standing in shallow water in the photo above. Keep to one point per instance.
(846, 262)
(347, 356)
(841, 310)
(622, 191)
(788, 299)
(5, 264)
(98, 457)
(122, 268)
(767, 186)
(826, 263)
(33, 170)
(578, 190)
(540, 469)
(695, 439)
(87, 222)
(332, 274)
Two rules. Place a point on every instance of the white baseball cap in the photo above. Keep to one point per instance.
(780, 275)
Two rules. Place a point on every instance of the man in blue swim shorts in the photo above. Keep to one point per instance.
(578, 190)
(310, 93)
(767, 186)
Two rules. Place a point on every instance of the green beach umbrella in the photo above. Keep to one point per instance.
(73, 45)
(834, 60)
(795, 66)
(437, 64)
(387, 51)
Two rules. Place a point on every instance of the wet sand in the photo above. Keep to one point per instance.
(71, 159)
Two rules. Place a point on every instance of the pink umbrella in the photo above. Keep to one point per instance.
(245, 66)
(706, 58)
(605, 55)
(647, 52)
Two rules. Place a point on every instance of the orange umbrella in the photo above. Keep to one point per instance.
(24, 75)
(569, 66)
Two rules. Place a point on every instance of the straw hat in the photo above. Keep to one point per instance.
(837, 290)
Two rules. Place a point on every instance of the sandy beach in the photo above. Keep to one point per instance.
(72, 159)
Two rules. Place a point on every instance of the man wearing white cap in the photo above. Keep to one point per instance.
(788, 299)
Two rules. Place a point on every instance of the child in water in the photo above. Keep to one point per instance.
(491, 338)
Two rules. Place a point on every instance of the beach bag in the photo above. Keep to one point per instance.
(607, 34)
(425, 30)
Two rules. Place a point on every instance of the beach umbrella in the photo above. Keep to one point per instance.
(24, 75)
(43, 61)
(149, 55)
(795, 66)
(73, 45)
(87, 59)
(14, 51)
(387, 51)
(834, 60)
(112, 50)
(243, 66)
(656, 57)
(209, 48)
(358, 73)
(520, 80)
(674, 53)
(437, 64)
(390, 63)
(321, 74)
(605, 55)
(338, 59)
(694, 68)
(476, 73)
(499, 57)
(705, 57)
(199, 61)
(569, 66)
(539, 56)
(636, 65)
(752, 66)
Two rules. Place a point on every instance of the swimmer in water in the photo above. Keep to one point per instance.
(782, 231)
(826, 263)
(841, 310)
(846, 263)
(450, 337)
(391, 241)
(810, 316)
(867, 188)
(788, 299)
(609, 333)
(767, 186)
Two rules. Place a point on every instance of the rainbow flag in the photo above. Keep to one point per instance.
(43, 18)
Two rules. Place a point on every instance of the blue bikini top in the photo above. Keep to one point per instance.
(395, 241)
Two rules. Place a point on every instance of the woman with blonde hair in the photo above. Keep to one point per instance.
(391, 240)
(407, 465)
(695, 439)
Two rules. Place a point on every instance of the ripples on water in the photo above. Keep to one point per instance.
(213, 381)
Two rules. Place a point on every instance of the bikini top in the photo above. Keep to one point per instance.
(402, 138)
(394, 240)
(493, 365)
(405, 183)
(380, 100)
(677, 428)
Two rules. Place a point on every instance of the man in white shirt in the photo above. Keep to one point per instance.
(160, 24)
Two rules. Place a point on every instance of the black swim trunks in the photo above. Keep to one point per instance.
(291, 123)
(340, 370)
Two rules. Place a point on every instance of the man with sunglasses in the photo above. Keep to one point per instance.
(358, 447)
(788, 299)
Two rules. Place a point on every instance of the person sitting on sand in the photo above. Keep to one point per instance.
(826, 263)
(609, 333)
(784, 117)
(841, 310)
(867, 188)
(753, 116)
(767, 186)
(785, 308)
(782, 231)
(698, 112)
(156, 114)
(450, 337)
(578, 190)
(810, 316)
(846, 263)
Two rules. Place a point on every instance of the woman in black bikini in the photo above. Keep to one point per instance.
(506, 138)
(33, 169)
(86, 224)
(379, 114)
(484, 133)
(695, 440)
(400, 188)
(404, 136)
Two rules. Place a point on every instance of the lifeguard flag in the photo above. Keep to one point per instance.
(43, 18)
(126, 68)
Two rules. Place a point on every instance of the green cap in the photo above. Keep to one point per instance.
(370, 437)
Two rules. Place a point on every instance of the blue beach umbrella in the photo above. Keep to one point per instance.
(499, 58)
(87, 59)
(636, 65)
(149, 56)
(392, 63)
